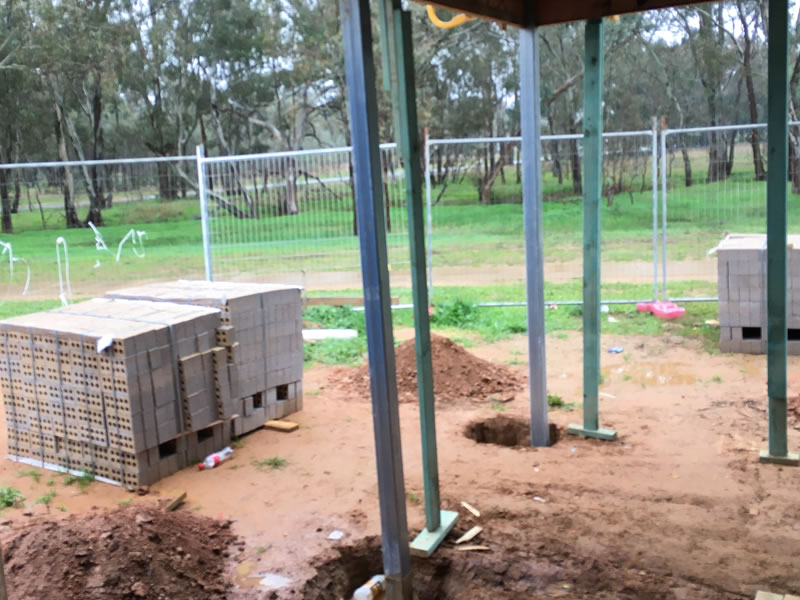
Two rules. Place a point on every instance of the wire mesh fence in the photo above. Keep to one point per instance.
(714, 184)
(66, 242)
(290, 217)
(475, 234)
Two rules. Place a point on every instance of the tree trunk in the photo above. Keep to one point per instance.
(485, 190)
(717, 163)
(731, 149)
(575, 166)
(758, 161)
(5, 202)
(687, 163)
(292, 207)
(17, 193)
(70, 214)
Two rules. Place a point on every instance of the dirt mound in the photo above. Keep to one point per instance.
(131, 552)
(457, 375)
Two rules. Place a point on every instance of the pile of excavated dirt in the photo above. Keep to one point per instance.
(133, 552)
(458, 376)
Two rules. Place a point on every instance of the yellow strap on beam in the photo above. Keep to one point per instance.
(454, 22)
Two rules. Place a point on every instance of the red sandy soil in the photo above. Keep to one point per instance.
(458, 375)
(131, 552)
(678, 508)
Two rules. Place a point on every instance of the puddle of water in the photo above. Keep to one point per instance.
(652, 373)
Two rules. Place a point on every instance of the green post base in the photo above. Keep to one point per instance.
(427, 541)
(609, 435)
(790, 460)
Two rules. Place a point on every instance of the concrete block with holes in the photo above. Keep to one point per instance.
(742, 292)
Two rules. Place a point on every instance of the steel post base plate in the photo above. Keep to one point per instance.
(427, 541)
(608, 435)
(790, 460)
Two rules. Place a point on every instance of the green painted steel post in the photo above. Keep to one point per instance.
(408, 138)
(438, 523)
(592, 193)
(777, 153)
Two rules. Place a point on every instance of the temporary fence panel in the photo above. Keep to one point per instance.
(96, 256)
(290, 217)
(475, 237)
(715, 184)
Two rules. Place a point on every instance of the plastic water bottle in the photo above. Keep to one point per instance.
(212, 460)
(372, 590)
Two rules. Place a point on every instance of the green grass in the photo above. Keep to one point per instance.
(499, 406)
(10, 497)
(34, 474)
(274, 464)
(84, 480)
(125, 502)
(46, 499)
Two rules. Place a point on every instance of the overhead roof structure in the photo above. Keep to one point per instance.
(525, 13)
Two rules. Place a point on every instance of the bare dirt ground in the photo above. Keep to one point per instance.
(678, 508)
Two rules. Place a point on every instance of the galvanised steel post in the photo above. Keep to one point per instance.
(532, 215)
(204, 216)
(360, 72)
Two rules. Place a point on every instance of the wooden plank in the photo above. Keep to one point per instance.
(175, 503)
(471, 508)
(473, 548)
(471, 534)
(286, 426)
(769, 596)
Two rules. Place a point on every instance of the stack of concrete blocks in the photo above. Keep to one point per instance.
(262, 331)
(131, 391)
(742, 290)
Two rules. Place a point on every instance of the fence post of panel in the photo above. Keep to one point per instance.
(654, 149)
(429, 214)
(664, 295)
(204, 216)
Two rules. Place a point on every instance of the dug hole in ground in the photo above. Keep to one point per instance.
(678, 508)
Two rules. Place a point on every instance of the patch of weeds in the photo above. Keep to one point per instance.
(514, 362)
(335, 352)
(197, 507)
(126, 502)
(716, 379)
(516, 353)
(626, 377)
(260, 549)
(84, 480)
(561, 335)
(34, 474)
(51, 483)
(46, 499)
(499, 406)
(413, 498)
(602, 379)
(274, 464)
(234, 467)
(335, 317)
(627, 357)
(62, 508)
(557, 402)
(10, 497)
(313, 392)
(237, 443)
